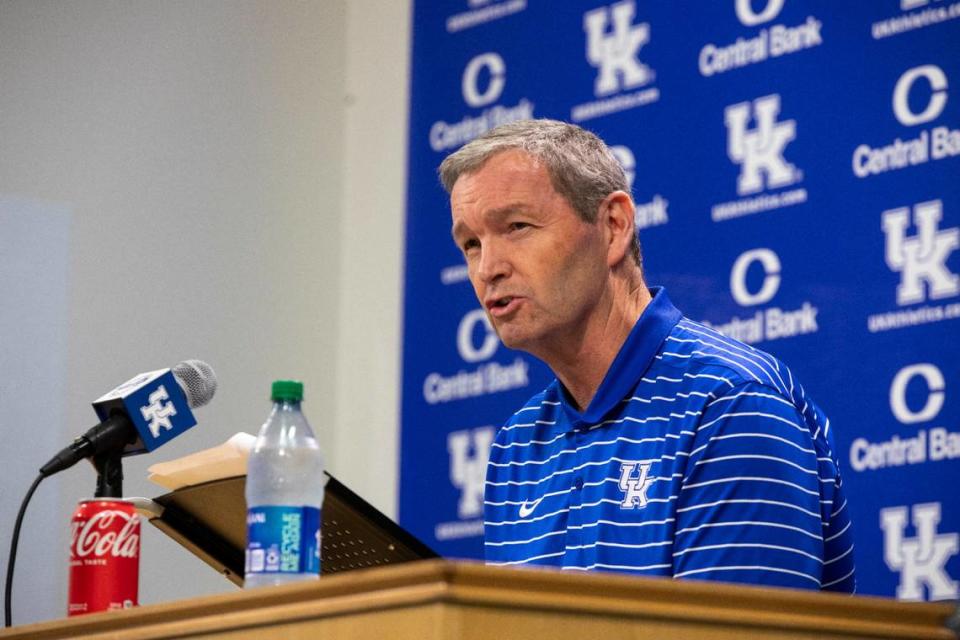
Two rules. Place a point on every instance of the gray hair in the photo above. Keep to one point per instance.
(581, 167)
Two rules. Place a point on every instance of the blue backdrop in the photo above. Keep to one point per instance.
(796, 167)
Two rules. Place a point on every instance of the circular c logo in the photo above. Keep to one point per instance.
(938, 100)
(497, 69)
(898, 393)
(749, 18)
(738, 277)
(465, 345)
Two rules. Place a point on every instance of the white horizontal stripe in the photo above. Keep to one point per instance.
(750, 501)
(536, 408)
(833, 582)
(511, 427)
(566, 471)
(747, 350)
(686, 375)
(685, 356)
(750, 435)
(526, 560)
(753, 523)
(842, 555)
(838, 533)
(517, 503)
(597, 443)
(524, 463)
(749, 479)
(746, 545)
(734, 351)
(619, 567)
(590, 525)
(752, 456)
(652, 399)
(749, 568)
(527, 541)
(644, 420)
(620, 545)
(764, 357)
(750, 414)
(575, 507)
(528, 443)
(839, 509)
(579, 507)
(757, 394)
(492, 523)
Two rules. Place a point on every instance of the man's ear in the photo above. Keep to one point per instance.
(617, 214)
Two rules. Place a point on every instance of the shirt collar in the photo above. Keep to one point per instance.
(632, 361)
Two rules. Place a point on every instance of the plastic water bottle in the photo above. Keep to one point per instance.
(284, 491)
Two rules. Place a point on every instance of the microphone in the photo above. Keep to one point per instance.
(142, 414)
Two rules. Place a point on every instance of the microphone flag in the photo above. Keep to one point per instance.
(155, 404)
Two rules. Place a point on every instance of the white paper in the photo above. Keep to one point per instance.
(223, 461)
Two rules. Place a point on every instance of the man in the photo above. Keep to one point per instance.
(663, 447)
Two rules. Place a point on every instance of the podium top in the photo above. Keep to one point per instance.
(441, 599)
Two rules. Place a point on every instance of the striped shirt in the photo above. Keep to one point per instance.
(699, 456)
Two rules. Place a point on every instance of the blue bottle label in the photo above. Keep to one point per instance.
(283, 540)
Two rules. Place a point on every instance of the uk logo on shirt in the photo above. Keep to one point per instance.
(635, 488)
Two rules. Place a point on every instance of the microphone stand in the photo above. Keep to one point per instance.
(109, 466)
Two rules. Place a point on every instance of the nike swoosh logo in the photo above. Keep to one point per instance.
(527, 507)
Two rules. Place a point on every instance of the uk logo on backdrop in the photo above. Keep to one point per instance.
(766, 322)
(757, 140)
(936, 143)
(921, 259)
(613, 44)
(921, 560)
(469, 450)
(759, 151)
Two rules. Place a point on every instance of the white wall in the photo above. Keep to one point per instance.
(371, 274)
(234, 176)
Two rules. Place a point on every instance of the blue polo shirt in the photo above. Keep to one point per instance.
(699, 456)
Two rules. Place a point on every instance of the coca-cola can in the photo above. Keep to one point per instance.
(104, 556)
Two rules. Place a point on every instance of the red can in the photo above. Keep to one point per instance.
(104, 556)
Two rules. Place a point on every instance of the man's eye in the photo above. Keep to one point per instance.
(470, 244)
(517, 226)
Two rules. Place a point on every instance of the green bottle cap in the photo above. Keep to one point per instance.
(286, 390)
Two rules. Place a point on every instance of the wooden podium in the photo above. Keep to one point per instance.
(437, 599)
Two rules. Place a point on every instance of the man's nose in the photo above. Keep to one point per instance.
(494, 262)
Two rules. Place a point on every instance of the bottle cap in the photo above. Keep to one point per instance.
(286, 390)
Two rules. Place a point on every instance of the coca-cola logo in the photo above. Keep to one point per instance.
(103, 535)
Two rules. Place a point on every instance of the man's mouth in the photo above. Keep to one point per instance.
(499, 307)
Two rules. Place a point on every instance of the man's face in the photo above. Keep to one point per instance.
(537, 268)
